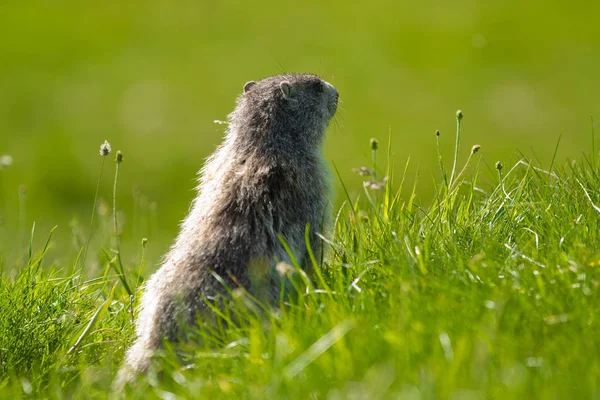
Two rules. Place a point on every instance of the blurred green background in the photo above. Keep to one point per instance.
(152, 76)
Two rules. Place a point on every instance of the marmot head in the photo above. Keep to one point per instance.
(286, 108)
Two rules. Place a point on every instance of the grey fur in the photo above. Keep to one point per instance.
(268, 177)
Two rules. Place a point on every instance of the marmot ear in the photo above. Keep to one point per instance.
(287, 89)
(249, 86)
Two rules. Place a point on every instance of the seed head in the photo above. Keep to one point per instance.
(5, 161)
(475, 148)
(373, 185)
(459, 115)
(284, 269)
(119, 157)
(374, 144)
(499, 166)
(105, 148)
(437, 133)
(363, 171)
(144, 241)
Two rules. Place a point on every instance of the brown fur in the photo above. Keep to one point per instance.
(267, 178)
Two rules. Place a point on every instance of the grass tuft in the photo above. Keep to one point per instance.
(487, 290)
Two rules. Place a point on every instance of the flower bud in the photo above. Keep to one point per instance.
(105, 148)
(374, 144)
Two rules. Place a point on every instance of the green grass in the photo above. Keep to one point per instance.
(487, 290)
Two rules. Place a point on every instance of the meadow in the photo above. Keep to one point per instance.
(471, 272)
(490, 291)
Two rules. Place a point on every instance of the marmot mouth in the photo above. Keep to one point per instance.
(334, 96)
(332, 106)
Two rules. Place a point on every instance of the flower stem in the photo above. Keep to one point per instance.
(458, 119)
(87, 243)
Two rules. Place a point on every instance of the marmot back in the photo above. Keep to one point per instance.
(267, 178)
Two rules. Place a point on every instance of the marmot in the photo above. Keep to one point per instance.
(267, 178)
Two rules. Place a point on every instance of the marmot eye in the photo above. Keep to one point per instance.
(318, 87)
